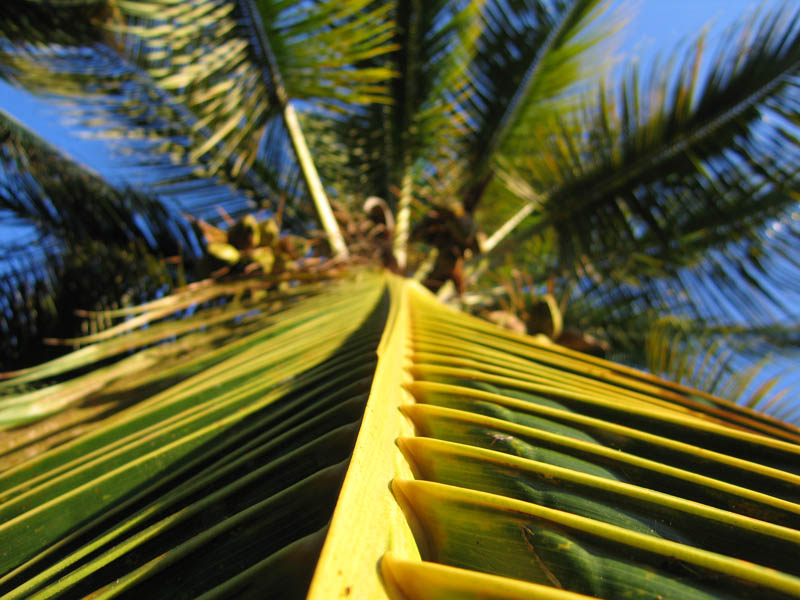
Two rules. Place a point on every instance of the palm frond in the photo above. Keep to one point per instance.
(529, 54)
(67, 201)
(528, 57)
(420, 125)
(346, 40)
(36, 23)
(323, 49)
(398, 148)
(321, 430)
(74, 241)
(671, 327)
(278, 450)
(43, 292)
(715, 359)
(695, 159)
(200, 54)
(440, 119)
(512, 469)
(185, 154)
(437, 42)
(209, 312)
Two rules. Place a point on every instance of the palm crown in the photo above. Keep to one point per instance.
(638, 210)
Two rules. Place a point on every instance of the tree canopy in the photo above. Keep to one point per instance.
(638, 216)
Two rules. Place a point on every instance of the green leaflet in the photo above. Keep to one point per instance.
(515, 539)
(632, 507)
(595, 459)
(769, 480)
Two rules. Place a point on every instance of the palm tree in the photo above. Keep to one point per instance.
(622, 215)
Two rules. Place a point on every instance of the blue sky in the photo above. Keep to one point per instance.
(661, 24)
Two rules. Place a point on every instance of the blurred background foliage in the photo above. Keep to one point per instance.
(644, 212)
